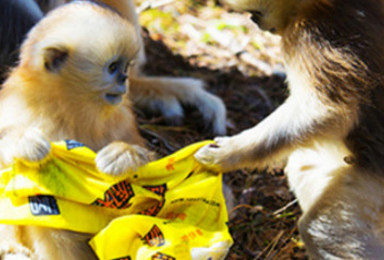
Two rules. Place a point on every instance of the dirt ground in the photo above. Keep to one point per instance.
(243, 66)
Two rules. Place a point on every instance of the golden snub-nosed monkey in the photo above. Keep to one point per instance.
(165, 96)
(330, 128)
(70, 84)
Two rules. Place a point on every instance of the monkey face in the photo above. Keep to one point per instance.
(115, 76)
(99, 79)
(269, 15)
(86, 54)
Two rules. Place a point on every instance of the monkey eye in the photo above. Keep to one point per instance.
(256, 16)
(112, 68)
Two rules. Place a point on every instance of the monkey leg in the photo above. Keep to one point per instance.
(49, 243)
(347, 219)
(342, 206)
(166, 95)
(40, 243)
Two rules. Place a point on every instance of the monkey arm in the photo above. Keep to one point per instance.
(298, 121)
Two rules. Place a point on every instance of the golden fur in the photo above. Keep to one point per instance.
(166, 95)
(330, 128)
(65, 87)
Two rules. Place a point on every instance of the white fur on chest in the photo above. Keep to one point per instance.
(310, 170)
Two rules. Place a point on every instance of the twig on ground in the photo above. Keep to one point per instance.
(270, 246)
(293, 202)
(244, 206)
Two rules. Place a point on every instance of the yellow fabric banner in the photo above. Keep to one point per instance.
(171, 208)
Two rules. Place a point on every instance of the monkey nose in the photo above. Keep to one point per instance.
(121, 78)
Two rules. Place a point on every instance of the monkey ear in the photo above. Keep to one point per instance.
(55, 58)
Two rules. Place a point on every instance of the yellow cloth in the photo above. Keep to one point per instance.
(171, 209)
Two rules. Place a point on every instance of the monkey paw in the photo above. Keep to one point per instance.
(210, 106)
(220, 154)
(119, 158)
(213, 111)
(17, 256)
(16, 252)
(32, 147)
(169, 95)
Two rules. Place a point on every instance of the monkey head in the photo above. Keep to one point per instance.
(269, 15)
(81, 51)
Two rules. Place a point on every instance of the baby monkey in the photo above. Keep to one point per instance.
(70, 84)
(153, 95)
(331, 127)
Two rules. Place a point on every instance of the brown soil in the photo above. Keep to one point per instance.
(250, 80)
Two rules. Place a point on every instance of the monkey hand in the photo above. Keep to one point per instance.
(32, 146)
(118, 158)
(14, 256)
(222, 154)
(15, 252)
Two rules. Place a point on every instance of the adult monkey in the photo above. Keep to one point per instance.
(331, 127)
(158, 95)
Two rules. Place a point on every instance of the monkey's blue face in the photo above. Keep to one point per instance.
(115, 73)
